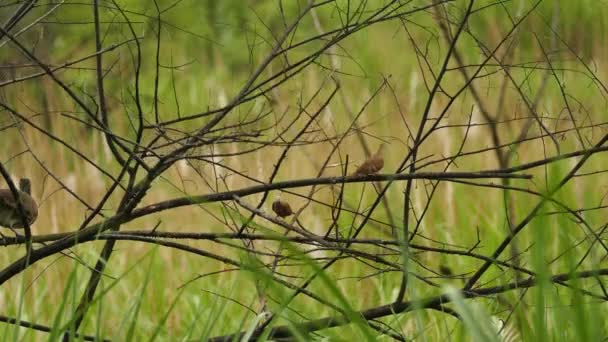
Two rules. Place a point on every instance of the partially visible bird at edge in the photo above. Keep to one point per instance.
(9, 212)
(373, 164)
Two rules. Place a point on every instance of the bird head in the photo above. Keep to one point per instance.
(381, 149)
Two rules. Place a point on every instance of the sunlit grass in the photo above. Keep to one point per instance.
(146, 299)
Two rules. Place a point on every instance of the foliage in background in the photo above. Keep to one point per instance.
(365, 261)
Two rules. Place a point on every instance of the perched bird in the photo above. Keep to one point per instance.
(445, 271)
(9, 213)
(281, 208)
(373, 164)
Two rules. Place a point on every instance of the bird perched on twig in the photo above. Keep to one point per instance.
(281, 208)
(445, 271)
(9, 213)
(373, 164)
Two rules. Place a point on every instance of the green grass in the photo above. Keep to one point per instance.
(140, 297)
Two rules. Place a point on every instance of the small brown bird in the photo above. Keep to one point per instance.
(373, 164)
(9, 213)
(281, 208)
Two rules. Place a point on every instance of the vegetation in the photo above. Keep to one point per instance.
(158, 135)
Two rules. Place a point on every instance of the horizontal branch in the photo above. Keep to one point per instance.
(229, 195)
(89, 232)
(428, 303)
(39, 327)
(151, 236)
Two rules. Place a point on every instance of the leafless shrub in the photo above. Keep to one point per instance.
(483, 125)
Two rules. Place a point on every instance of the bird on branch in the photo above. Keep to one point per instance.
(9, 212)
(445, 271)
(281, 208)
(373, 164)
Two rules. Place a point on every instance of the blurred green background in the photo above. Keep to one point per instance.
(208, 49)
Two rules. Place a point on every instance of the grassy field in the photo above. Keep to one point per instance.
(156, 292)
